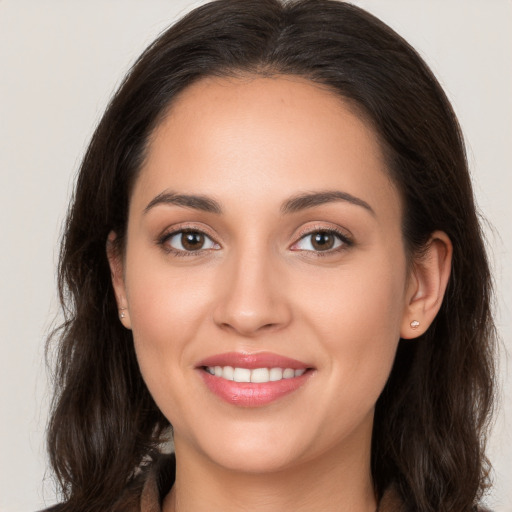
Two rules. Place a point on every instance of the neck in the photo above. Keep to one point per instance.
(333, 482)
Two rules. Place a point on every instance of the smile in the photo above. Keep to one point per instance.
(257, 375)
(253, 380)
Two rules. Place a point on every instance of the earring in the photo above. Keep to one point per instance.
(414, 324)
(122, 315)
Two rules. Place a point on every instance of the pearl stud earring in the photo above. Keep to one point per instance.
(414, 324)
(122, 314)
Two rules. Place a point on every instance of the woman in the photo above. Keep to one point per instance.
(269, 249)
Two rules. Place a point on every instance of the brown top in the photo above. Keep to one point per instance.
(147, 492)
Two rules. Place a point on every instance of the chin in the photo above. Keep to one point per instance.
(257, 452)
(254, 461)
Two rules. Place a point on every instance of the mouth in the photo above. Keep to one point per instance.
(253, 380)
(256, 375)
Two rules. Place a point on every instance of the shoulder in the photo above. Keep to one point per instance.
(145, 492)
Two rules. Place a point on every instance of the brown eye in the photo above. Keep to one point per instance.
(322, 241)
(190, 241)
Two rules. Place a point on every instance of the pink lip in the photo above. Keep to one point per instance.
(249, 394)
(251, 361)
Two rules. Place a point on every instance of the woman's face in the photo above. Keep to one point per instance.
(264, 242)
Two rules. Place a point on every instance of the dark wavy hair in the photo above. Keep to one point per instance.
(432, 417)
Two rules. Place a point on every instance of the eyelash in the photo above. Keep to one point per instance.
(162, 241)
(346, 242)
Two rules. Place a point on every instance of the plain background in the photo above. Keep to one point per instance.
(60, 60)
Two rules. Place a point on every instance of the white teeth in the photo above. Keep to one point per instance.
(288, 373)
(257, 375)
(275, 374)
(260, 375)
(227, 372)
(242, 375)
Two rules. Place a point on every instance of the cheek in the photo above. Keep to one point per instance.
(165, 300)
(357, 319)
(157, 310)
(368, 301)
(359, 329)
(167, 308)
(166, 314)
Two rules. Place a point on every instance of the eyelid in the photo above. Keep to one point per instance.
(170, 232)
(317, 226)
(344, 235)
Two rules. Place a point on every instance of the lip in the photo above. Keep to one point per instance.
(249, 394)
(251, 361)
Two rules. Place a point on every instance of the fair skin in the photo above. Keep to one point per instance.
(324, 283)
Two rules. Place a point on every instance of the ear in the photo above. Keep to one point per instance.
(427, 285)
(115, 260)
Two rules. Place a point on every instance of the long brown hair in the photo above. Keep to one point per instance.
(432, 416)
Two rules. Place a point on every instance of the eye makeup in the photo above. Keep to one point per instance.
(193, 241)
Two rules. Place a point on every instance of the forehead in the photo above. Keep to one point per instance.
(264, 138)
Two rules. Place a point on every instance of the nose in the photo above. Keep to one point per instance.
(252, 296)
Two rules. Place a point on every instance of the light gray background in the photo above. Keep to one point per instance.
(60, 62)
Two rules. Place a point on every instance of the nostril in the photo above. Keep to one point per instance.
(249, 313)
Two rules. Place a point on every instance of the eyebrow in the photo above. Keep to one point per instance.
(196, 202)
(294, 204)
(312, 199)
